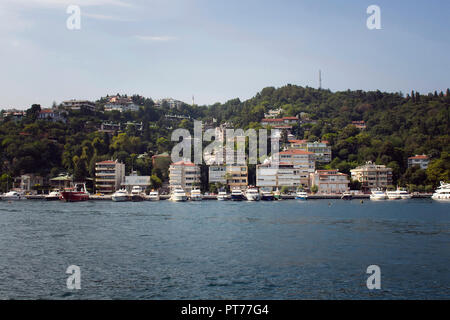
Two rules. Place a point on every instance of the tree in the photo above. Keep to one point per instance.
(314, 189)
(155, 182)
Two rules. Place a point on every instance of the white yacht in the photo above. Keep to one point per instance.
(222, 196)
(120, 195)
(54, 195)
(13, 195)
(178, 194)
(378, 195)
(237, 195)
(196, 195)
(393, 195)
(153, 196)
(403, 194)
(252, 194)
(301, 195)
(442, 193)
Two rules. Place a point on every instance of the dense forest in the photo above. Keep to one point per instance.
(398, 126)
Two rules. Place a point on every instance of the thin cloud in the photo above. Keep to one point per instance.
(155, 38)
(65, 3)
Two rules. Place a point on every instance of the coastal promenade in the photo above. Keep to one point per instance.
(214, 197)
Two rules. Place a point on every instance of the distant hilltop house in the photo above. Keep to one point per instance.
(52, 115)
(14, 114)
(419, 160)
(78, 105)
(359, 124)
(272, 114)
(170, 102)
(279, 122)
(121, 104)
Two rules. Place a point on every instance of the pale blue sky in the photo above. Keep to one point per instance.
(217, 50)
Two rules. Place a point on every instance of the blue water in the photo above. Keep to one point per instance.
(318, 249)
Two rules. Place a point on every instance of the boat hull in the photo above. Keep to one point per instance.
(119, 198)
(74, 196)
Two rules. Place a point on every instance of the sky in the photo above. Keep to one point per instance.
(217, 50)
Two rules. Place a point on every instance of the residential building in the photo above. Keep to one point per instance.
(109, 176)
(171, 103)
(329, 181)
(184, 174)
(280, 121)
(321, 149)
(237, 176)
(27, 182)
(14, 114)
(285, 175)
(53, 115)
(372, 175)
(419, 160)
(135, 180)
(61, 182)
(78, 105)
(359, 124)
(272, 114)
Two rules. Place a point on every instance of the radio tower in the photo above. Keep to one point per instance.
(320, 79)
(193, 101)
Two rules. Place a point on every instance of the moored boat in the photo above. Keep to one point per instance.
(52, 196)
(301, 195)
(120, 196)
(178, 194)
(196, 195)
(222, 196)
(237, 195)
(153, 196)
(442, 193)
(252, 194)
(267, 196)
(13, 196)
(75, 194)
(347, 196)
(137, 194)
(378, 195)
(393, 195)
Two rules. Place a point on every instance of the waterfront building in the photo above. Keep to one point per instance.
(78, 105)
(184, 174)
(27, 182)
(61, 182)
(419, 160)
(285, 175)
(109, 175)
(329, 181)
(234, 176)
(134, 180)
(321, 149)
(372, 175)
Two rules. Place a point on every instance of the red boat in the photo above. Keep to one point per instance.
(75, 194)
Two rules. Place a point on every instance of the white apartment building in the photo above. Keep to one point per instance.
(285, 175)
(321, 149)
(329, 181)
(109, 176)
(302, 161)
(419, 160)
(184, 174)
(372, 175)
(235, 176)
(78, 105)
(135, 180)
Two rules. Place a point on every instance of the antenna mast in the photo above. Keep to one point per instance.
(320, 79)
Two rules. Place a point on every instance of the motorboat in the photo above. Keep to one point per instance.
(378, 195)
(252, 194)
(347, 196)
(153, 196)
(237, 195)
(120, 196)
(442, 193)
(301, 195)
(267, 196)
(75, 194)
(403, 194)
(178, 194)
(13, 195)
(196, 195)
(137, 194)
(222, 196)
(393, 195)
(52, 196)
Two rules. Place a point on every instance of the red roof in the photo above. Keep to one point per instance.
(297, 141)
(183, 163)
(46, 111)
(296, 151)
(106, 162)
(419, 157)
